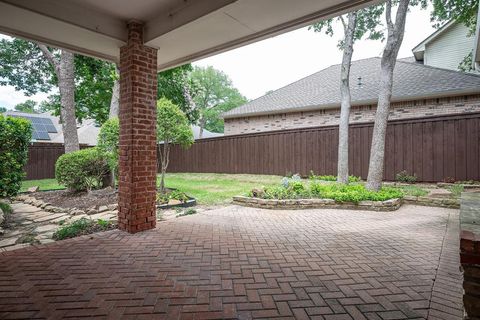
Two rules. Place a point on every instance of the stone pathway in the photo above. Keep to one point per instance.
(30, 225)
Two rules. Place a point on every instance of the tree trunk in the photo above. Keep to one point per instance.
(342, 169)
(114, 103)
(164, 155)
(389, 58)
(66, 85)
(201, 124)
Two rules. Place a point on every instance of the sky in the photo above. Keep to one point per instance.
(273, 63)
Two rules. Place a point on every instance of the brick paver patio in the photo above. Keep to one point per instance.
(243, 263)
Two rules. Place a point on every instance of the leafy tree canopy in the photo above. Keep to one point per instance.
(108, 139)
(3, 109)
(213, 93)
(172, 84)
(173, 126)
(24, 67)
(463, 11)
(27, 107)
(368, 24)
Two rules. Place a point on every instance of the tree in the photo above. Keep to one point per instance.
(3, 109)
(95, 82)
(85, 84)
(173, 85)
(212, 93)
(32, 67)
(172, 128)
(389, 57)
(355, 25)
(28, 106)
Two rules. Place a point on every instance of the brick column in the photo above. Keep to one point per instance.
(138, 150)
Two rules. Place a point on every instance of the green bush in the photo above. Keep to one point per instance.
(456, 189)
(81, 170)
(15, 136)
(403, 176)
(108, 141)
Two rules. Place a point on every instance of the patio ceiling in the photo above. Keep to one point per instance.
(181, 30)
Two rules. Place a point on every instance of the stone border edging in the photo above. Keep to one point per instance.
(297, 204)
(432, 202)
(388, 205)
(31, 200)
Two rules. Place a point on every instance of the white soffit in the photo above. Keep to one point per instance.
(182, 30)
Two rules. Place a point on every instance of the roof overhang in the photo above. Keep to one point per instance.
(181, 30)
(433, 95)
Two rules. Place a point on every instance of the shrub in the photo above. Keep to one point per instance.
(6, 208)
(15, 136)
(178, 195)
(108, 141)
(403, 176)
(81, 170)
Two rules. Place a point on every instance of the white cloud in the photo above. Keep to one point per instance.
(9, 97)
(276, 62)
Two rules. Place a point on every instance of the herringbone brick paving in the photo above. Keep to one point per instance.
(245, 263)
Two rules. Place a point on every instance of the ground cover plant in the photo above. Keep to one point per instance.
(313, 176)
(296, 189)
(81, 227)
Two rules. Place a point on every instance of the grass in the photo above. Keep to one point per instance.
(217, 188)
(44, 184)
(413, 191)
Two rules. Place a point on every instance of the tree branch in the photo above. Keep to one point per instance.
(50, 57)
(343, 23)
(388, 15)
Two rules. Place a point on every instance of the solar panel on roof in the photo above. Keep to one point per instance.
(41, 127)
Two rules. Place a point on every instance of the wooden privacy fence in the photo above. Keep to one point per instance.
(41, 160)
(434, 148)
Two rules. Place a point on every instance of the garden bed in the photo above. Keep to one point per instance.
(298, 204)
(80, 200)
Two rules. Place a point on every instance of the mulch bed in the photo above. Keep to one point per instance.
(80, 200)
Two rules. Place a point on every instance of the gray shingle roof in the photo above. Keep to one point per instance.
(321, 90)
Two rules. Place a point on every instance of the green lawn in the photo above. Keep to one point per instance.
(207, 188)
(44, 184)
(217, 188)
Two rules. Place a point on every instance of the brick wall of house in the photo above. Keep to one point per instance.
(358, 114)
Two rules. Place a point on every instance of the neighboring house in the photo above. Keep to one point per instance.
(447, 47)
(418, 91)
(48, 129)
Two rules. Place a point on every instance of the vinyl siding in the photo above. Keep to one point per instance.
(449, 49)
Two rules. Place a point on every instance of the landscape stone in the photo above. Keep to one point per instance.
(33, 189)
(440, 193)
(8, 242)
(102, 208)
(112, 206)
(46, 228)
(2, 216)
(92, 211)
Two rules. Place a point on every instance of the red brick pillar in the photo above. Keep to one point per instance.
(138, 150)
